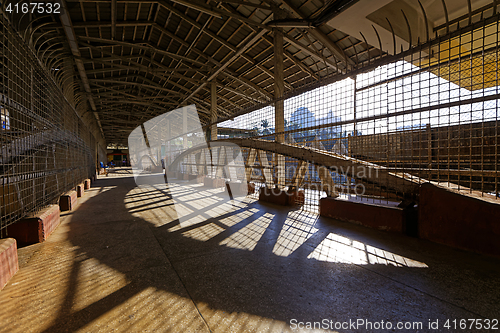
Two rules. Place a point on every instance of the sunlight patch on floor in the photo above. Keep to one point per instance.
(238, 217)
(204, 233)
(106, 188)
(297, 229)
(220, 210)
(336, 248)
(187, 223)
(87, 291)
(182, 210)
(151, 309)
(248, 237)
(221, 320)
(197, 200)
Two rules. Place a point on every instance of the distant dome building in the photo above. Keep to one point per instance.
(302, 118)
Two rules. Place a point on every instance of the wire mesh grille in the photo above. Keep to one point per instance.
(45, 148)
(429, 114)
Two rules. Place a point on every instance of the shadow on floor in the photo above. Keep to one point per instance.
(251, 267)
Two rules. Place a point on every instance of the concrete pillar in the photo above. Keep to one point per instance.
(184, 128)
(169, 144)
(279, 86)
(279, 107)
(213, 111)
(355, 105)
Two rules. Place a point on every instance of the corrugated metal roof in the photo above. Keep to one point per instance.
(176, 45)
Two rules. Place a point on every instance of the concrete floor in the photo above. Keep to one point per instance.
(121, 262)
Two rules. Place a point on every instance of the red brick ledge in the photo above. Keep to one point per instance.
(80, 190)
(9, 263)
(68, 200)
(36, 228)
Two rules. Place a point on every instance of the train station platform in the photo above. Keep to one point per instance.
(122, 262)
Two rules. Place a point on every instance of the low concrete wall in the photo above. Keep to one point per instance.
(68, 201)
(181, 175)
(296, 198)
(370, 215)
(214, 182)
(36, 228)
(192, 177)
(274, 196)
(458, 220)
(240, 189)
(9, 263)
(281, 197)
(197, 179)
(251, 188)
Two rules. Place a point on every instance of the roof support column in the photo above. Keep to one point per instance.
(279, 105)
(168, 157)
(213, 111)
(184, 128)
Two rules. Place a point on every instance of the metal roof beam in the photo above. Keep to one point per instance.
(73, 44)
(228, 62)
(134, 101)
(213, 36)
(246, 3)
(310, 52)
(150, 85)
(113, 19)
(322, 38)
(228, 72)
(216, 12)
(144, 46)
(100, 24)
(239, 93)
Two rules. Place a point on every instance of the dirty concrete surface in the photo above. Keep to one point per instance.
(122, 262)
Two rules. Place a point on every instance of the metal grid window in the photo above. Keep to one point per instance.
(429, 114)
(45, 147)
